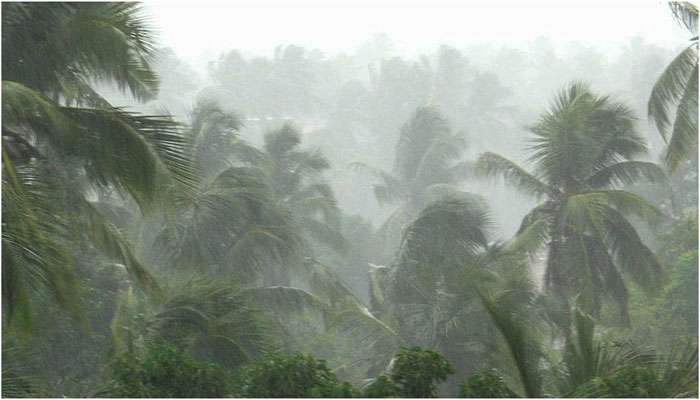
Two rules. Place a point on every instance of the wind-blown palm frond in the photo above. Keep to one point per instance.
(671, 87)
(586, 358)
(214, 321)
(685, 13)
(455, 227)
(532, 235)
(213, 135)
(677, 87)
(633, 256)
(626, 173)
(107, 238)
(51, 46)
(680, 371)
(34, 254)
(118, 148)
(427, 160)
(233, 225)
(524, 349)
(295, 178)
(491, 165)
(684, 136)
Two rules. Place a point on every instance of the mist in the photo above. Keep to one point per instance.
(356, 199)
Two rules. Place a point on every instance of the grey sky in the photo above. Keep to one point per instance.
(200, 30)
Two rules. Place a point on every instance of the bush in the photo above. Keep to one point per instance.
(631, 381)
(417, 372)
(381, 387)
(165, 371)
(486, 384)
(291, 376)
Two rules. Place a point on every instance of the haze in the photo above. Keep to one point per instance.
(206, 28)
(348, 199)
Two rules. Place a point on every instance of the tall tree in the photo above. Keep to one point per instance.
(426, 168)
(296, 176)
(583, 150)
(232, 222)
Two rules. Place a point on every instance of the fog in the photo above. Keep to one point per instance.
(517, 56)
(350, 199)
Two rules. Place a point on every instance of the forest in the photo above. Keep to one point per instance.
(477, 222)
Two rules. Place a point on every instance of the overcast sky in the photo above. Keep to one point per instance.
(199, 31)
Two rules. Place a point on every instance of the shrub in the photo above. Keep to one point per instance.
(382, 387)
(486, 384)
(291, 376)
(165, 371)
(417, 372)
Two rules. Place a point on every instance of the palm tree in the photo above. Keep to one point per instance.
(429, 295)
(231, 225)
(211, 319)
(677, 87)
(426, 168)
(54, 148)
(295, 175)
(255, 210)
(583, 149)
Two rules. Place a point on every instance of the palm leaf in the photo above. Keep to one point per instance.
(626, 173)
(670, 88)
(684, 137)
(523, 349)
(491, 165)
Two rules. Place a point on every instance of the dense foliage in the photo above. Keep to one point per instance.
(238, 247)
(166, 372)
(295, 376)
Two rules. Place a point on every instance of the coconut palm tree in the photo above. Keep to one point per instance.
(429, 295)
(56, 149)
(426, 167)
(582, 151)
(677, 90)
(255, 211)
(296, 178)
(231, 225)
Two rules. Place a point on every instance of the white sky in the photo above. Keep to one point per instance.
(199, 31)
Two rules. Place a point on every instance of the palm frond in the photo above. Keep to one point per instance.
(626, 173)
(118, 148)
(531, 236)
(524, 349)
(670, 88)
(685, 13)
(586, 357)
(680, 371)
(455, 227)
(632, 255)
(94, 41)
(492, 165)
(215, 320)
(684, 136)
(34, 252)
(107, 238)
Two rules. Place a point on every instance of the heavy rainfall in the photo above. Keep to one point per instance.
(350, 199)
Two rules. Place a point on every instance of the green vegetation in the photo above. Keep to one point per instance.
(238, 248)
(294, 376)
(166, 372)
